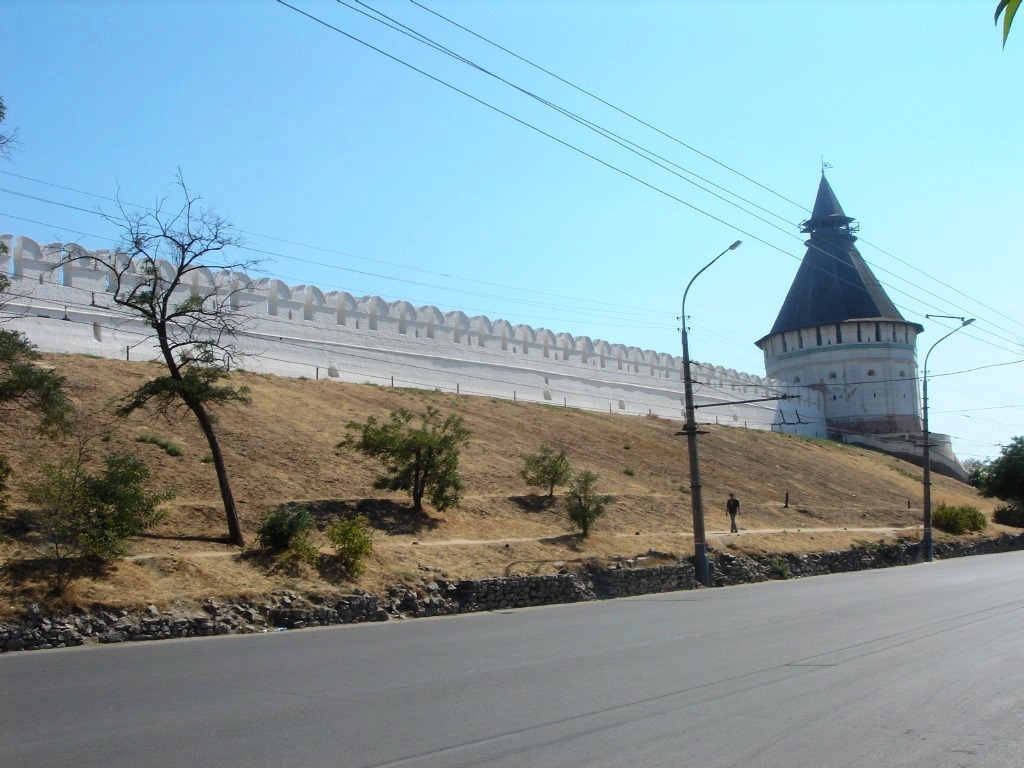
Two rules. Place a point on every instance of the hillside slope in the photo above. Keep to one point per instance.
(282, 449)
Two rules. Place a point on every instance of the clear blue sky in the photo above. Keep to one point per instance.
(388, 182)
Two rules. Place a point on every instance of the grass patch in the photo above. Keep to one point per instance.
(170, 447)
(907, 473)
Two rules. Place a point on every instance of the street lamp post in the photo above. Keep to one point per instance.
(926, 539)
(700, 552)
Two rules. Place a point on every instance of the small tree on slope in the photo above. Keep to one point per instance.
(546, 469)
(583, 504)
(423, 459)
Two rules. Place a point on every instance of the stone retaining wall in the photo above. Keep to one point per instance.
(438, 597)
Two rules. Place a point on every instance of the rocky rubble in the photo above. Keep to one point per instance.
(436, 595)
(284, 610)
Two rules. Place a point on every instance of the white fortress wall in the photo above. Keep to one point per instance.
(303, 331)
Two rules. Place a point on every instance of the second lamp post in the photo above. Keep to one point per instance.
(926, 538)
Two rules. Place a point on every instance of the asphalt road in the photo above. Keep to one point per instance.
(914, 666)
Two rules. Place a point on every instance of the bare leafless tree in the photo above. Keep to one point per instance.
(7, 139)
(155, 275)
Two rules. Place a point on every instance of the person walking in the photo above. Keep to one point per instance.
(732, 506)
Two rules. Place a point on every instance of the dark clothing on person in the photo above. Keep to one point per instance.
(732, 506)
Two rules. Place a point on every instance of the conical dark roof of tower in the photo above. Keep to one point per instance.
(834, 283)
(827, 210)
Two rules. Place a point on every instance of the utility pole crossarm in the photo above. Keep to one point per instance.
(740, 402)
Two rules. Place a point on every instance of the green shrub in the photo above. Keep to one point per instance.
(1010, 514)
(629, 472)
(352, 540)
(779, 567)
(80, 515)
(171, 447)
(280, 529)
(301, 550)
(958, 520)
(288, 531)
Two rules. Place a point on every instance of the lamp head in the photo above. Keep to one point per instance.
(967, 322)
(735, 245)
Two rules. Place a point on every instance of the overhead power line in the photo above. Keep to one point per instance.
(607, 164)
(695, 150)
(621, 111)
(346, 254)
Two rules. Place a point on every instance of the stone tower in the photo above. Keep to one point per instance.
(840, 336)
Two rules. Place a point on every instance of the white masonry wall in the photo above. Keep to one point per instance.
(302, 331)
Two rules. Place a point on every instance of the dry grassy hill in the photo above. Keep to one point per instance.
(282, 449)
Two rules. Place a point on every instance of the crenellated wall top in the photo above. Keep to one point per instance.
(25, 257)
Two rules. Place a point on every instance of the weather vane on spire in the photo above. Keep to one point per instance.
(824, 165)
